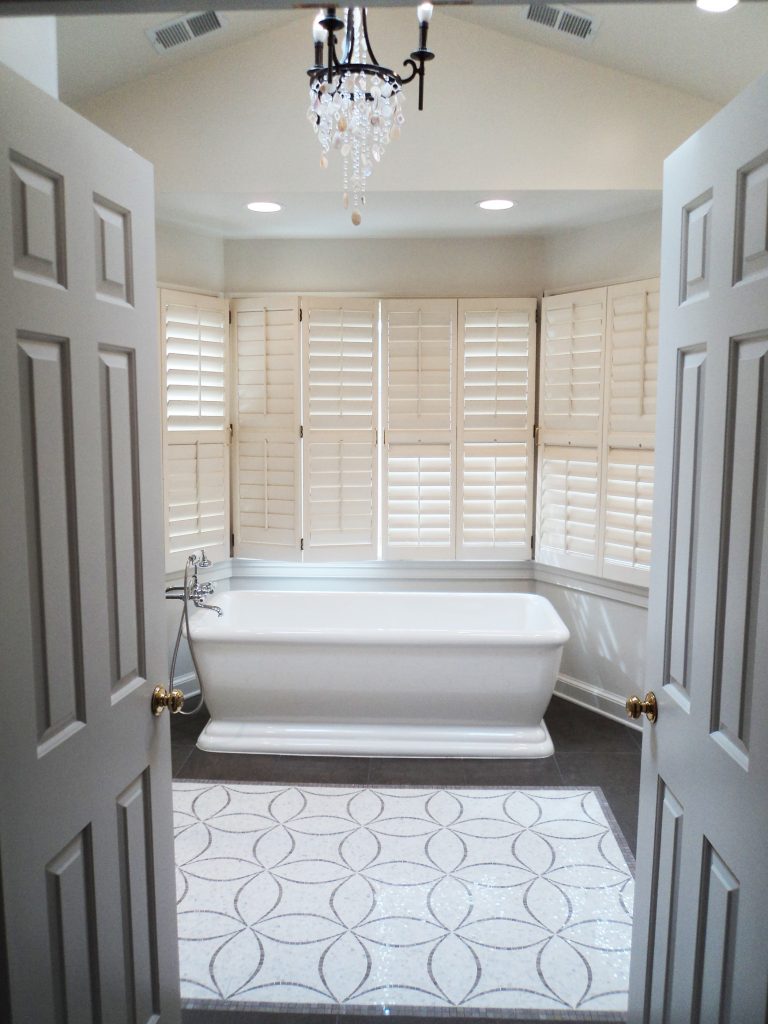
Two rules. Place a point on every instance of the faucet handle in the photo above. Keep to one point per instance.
(204, 562)
(208, 588)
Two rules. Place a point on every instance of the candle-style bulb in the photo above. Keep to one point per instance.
(424, 13)
(319, 33)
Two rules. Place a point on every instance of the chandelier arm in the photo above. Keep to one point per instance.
(349, 37)
(364, 20)
(404, 80)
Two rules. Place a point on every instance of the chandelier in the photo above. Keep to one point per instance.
(356, 104)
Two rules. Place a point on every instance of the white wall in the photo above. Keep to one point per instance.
(408, 267)
(189, 259)
(499, 113)
(622, 250)
(28, 47)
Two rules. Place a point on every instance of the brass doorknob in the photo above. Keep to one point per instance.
(162, 698)
(647, 707)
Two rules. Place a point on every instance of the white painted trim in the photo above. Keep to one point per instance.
(188, 684)
(460, 571)
(594, 698)
(612, 590)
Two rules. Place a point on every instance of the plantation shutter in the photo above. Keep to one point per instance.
(572, 356)
(571, 430)
(419, 363)
(628, 513)
(340, 418)
(196, 464)
(632, 338)
(496, 408)
(266, 419)
(568, 496)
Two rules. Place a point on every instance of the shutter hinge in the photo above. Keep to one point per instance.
(230, 316)
(301, 430)
(301, 545)
(232, 541)
(231, 433)
(532, 548)
(538, 314)
(301, 314)
(536, 434)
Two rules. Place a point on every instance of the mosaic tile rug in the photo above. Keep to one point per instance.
(402, 899)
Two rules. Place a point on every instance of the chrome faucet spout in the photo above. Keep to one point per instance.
(212, 608)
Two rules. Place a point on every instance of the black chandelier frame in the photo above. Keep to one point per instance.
(330, 67)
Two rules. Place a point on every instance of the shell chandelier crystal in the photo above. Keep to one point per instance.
(356, 104)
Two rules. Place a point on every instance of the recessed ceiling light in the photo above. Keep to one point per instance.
(716, 6)
(495, 204)
(264, 207)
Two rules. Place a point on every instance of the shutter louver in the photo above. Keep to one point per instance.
(568, 508)
(628, 503)
(196, 475)
(496, 364)
(419, 356)
(195, 363)
(340, 417)
(268, 473)
(267, 456)
(496, 404)
(632, 345)
(267, 382)
(573, 344)
(340, 477)
(421, 350)
(196, 464)
(419, 505)
(495, 501)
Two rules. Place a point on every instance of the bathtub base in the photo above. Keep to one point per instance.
(348, 740)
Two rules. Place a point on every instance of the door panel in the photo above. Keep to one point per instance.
(85, 851)
(702, 902)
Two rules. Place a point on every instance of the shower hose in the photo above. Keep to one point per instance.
(184, 621)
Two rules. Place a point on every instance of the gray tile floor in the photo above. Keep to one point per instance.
(590, 750)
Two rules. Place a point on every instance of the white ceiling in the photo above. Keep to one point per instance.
(401, 214)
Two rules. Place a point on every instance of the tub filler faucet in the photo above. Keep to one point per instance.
(199, 591)
(196, 591)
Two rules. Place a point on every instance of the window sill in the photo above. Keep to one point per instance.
(491, 574)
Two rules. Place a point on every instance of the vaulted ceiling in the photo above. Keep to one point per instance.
(574, 132)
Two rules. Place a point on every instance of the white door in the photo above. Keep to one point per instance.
(85, 802)
(701, 925)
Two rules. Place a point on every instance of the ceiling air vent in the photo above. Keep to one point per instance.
(562, 19)
(184, 30)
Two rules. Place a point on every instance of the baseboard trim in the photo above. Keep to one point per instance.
(188, 684)
(594, 698)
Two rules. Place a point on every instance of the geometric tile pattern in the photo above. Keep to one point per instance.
(463, 900)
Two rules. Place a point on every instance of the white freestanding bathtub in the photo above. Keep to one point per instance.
(388, 674)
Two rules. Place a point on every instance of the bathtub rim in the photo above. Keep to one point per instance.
(207, 627)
